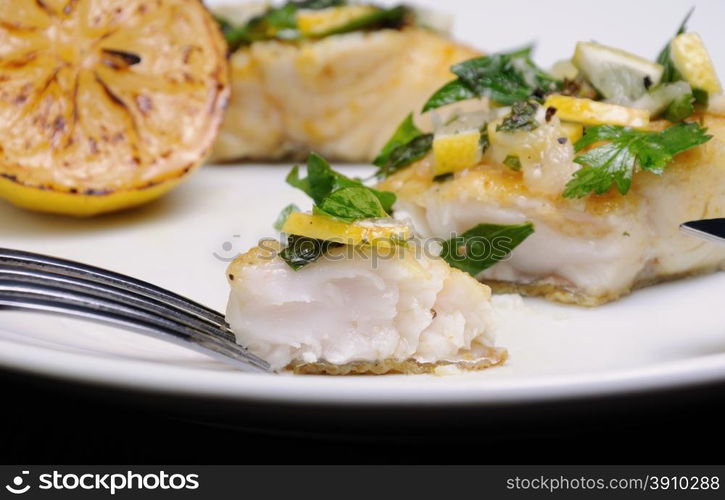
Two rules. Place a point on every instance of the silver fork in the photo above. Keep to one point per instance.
(36, 282)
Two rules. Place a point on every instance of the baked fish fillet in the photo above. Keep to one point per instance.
(352, 291)
(584, 251)
(341, 96)
(604, 157)
(351, 313)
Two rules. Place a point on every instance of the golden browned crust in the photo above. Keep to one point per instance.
(492, 357)
(258, 255)
(549, 291)
(568, 295)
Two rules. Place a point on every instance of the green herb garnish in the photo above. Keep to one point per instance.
(405, 155)
(484, 141)
(680, 108)
(302, 251)
(513, 162)
(322, 181)
(380, 18)
(352, 203)
(453, 91)
(280, 23)
(627, 150)
(407, 145)
(484, 245)
(702, 98)
(276, 23)
(521, 117)
(506, 78)
(335, 196)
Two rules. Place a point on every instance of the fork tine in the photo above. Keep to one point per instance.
(69, 268)
(41, 298)
(61, 282)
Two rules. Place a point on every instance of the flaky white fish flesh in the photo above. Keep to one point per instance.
(361, 310)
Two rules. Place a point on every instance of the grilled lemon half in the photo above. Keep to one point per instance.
(105, 104)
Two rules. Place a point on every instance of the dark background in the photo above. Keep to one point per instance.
(52, 422)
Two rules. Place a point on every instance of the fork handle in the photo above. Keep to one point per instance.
(19, 276)
(26, 298)
(86, 272)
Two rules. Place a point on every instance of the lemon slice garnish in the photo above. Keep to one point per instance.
(690, 57)
(617, 74)
(455, 152)
(318, 22)
(373, 232)
(105, 105)
(588, 112)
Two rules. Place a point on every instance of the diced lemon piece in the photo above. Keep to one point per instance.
(572, 131)
(657, 100)
(564, 69)
(588, 112)
(520, 144)
(617, 74)
(372, 232)
(318, 22)
(456, 152)
(691, 59)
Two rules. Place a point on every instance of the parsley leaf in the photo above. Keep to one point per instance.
(353, 203)
(336, 196)
(282, 217)
(484, 245)
(302, 251)
(407, 145)
(521, 117)
(453, 91)
(506, 78)
(406, 132)
(322, 182)
(627, 150)
(403, 156)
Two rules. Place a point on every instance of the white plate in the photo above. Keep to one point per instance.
(662, 337)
